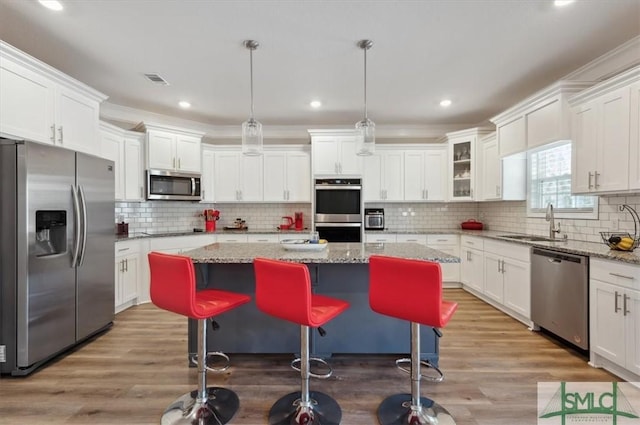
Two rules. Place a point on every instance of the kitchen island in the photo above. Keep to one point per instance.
(340, 271)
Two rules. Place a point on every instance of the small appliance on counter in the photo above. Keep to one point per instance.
(287, 223)
(374, 219)
(471, 224)
(122, 228)
(299, 223)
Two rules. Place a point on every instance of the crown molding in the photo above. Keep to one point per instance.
(615, 61)
(132, 116)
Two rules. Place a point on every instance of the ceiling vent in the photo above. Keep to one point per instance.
(156, 79)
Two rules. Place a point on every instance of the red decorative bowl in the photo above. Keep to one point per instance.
(471, 224)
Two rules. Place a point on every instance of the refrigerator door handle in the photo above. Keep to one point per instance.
(83, 204)
(76, 225)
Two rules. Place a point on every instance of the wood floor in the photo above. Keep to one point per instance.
(130, 374)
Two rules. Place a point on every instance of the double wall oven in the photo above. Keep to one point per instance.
(338, 209)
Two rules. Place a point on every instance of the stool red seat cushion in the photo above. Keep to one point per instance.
(409, 290)
(173, 288)
(283, 290)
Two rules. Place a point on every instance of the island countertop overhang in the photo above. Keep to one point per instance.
(335, 253)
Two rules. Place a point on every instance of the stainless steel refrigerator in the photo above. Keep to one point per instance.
(57, 251)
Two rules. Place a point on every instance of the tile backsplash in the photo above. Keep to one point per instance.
(507, 216)
(179, 216)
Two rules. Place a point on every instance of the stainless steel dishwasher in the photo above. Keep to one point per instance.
(560, 294)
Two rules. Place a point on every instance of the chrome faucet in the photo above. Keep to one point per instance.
(552, 226)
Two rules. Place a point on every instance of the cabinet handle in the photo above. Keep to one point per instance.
(471, 193)
(590, 175)
(441, 240)
(173, 163)
(615, 303)
(141, 192)
(179, 164)
(61, 134)
(340, 167)
(469, 243)
(123, 249)
(468, 255)
(126, 265)
(53, 133)
(596, 174)
(240, 191)
(624, 304)
(426, 194)
(122, 266)
(335, 167)
(621, 275)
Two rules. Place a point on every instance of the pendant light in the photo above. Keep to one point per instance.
(366, 127)
(251, 129)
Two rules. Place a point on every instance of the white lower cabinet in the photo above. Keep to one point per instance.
(448, 244)
(127, 274)
(507, 276)
(614, 309)
(472, 263)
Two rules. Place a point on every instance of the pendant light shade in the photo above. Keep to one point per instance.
(251, 129)
(366, 128)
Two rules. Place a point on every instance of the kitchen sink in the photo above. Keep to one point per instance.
(529, 238)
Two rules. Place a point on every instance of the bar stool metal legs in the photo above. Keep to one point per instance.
(305, 407)
(204, 406)
(412, 409)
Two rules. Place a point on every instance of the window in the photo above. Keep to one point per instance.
(549, 182)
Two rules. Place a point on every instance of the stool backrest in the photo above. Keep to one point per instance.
(173, 283)
(283, 290)
(406, 289)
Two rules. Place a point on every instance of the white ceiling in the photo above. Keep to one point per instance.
(484, 55)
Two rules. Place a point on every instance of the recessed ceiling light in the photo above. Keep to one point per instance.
(315, 104)
(52, 4)
(445, 103)
(561, 3)
(184, 104)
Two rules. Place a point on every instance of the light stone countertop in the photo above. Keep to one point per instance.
(335, 253)
(592, 249)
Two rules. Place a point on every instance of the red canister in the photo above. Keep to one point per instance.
(471, 224)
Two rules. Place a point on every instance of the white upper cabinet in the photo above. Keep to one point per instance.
(463, 163)
(634, 137)
(287, 175)
(500, 179)
(425, 174)
(208, 167)
(173, 149)
(334, 153)
(124, 148)
(540, 119)
(383, 176)
(605, 157)
(237, 177)
(41, 104)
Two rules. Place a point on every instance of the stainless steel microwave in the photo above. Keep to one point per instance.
(173, 186)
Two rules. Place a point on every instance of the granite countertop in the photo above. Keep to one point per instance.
(592, 249)
(335, 253)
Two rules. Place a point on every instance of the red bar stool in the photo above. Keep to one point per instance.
(410, 290)
(173, 288)
(283, 290)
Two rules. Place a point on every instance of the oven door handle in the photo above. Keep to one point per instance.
(338, 224)
(338, 187)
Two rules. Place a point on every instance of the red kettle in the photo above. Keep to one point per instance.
(287, 223)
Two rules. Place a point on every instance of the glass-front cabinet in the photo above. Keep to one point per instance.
(462, 163)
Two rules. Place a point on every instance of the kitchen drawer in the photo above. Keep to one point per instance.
(509, 250)
(264, 238)
(421, 239)
(615, 272)
(380, 237)
(472, 242)
(127, 247)
(232, 238)
(442, 240)
(179, 244)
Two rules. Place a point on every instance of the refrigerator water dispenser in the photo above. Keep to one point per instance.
(51, 232)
